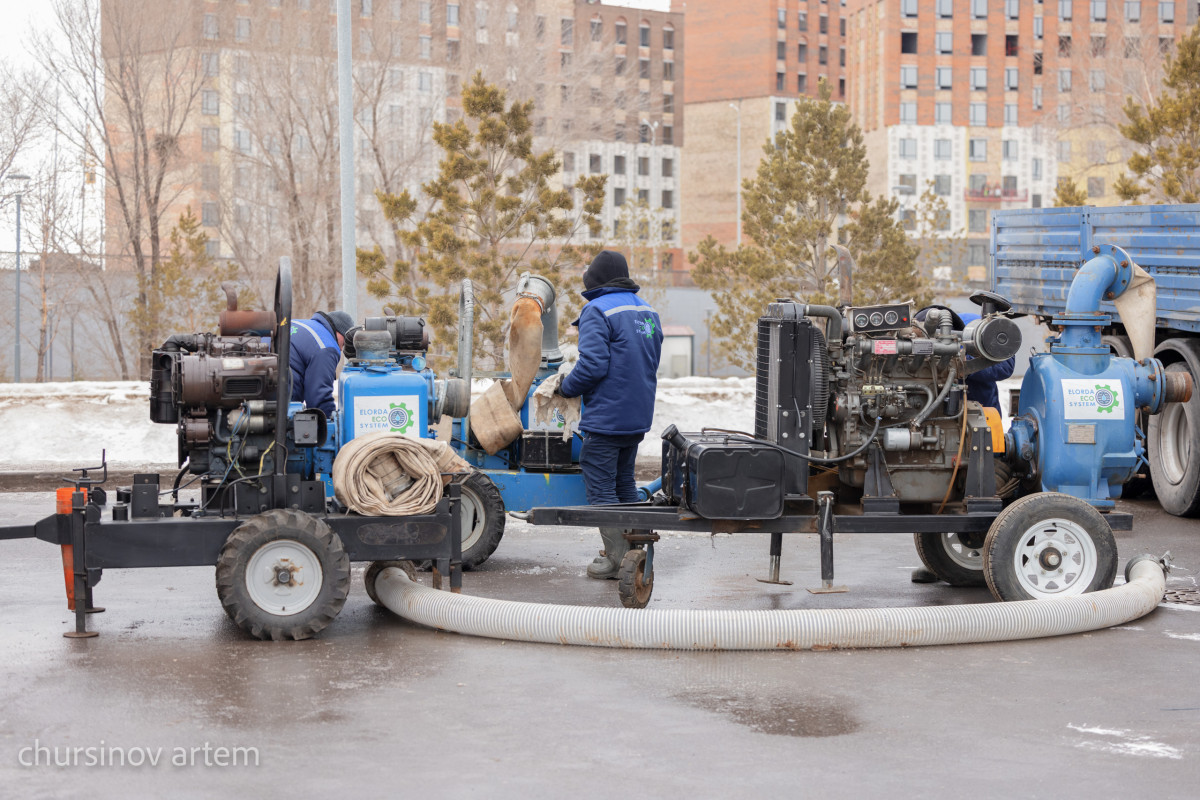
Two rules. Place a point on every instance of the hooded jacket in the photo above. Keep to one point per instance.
(313, 357)
(620, 342)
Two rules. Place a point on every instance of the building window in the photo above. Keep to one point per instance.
(944, 76)
(210, 103)
(643, 35)
(780, 51)
(1064, 80)
(241, 140)
(802, 20)
(618, 165)
(208, 215)
(644, 68)
(668, 168)
(801, 83)
(781, 18)
(842, 26)
(425, 82)
(1095, 187)
(1010, 149)
(978, 114)
(452, 14)
(1037, 98)
(908, 219)
(568, 162)
(1038, 28)
(979, 44)
(1099, 46)
(619, 66)
(1011, 45)
(595, 163)
(941, 185)
(908, 113)
(822, 55)
(668, 134)
(618, 197)
(823, 24)
(567, 35)
(668, 198)
(210, 177)
(1064, 152)
(978, 78)
(643, 163)
(979, 9)
(841, 56)
(1010, 113)
(802, 52)
(1037, 63)
(210, 139)
(1099, 10)
(668, 104)
(1133, 11)
(908, 8)
(643, 197)
(1096, 80)
(1064, 9)
(668, 38)
(943, 149)
(781, 112)
(977, 150)
(908, 43)
(597, 29)
(977, 219)
(241, 29)
(1035, 169)
(945, 9)
(1166, 13)
(426, 47)
(1012, 9)
(779, 81)
(942, 113)
(908, 148)
(209, 64)
(210, 26)
(1011, 78)
(619, 32)
(908, 77)
(1133, 47)
(668, 70)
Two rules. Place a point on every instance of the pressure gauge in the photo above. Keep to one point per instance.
(861, 321)
(876, 319)
(891, 318)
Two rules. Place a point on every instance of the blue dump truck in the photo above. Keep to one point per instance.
(1035, 254)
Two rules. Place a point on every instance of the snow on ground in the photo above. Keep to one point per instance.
(68, 424)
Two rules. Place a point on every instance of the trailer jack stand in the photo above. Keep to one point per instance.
(825, 529)
(776, 552)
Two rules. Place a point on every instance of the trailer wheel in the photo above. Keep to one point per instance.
(956, 558)
(1174, 443)
(482, 510)
(372, 572)
(1048, 545)
(632, 585)
(283, 574)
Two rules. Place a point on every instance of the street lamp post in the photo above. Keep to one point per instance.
(20, 180)
(738, 108)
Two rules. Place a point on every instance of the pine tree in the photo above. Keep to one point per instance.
(1167, 168)
(490, 214)
(811, 173)
(1067, 193)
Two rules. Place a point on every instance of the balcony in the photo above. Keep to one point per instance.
(995, 193)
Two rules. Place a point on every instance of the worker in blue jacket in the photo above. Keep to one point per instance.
(981, 385)
(315, 349)
(620, 342)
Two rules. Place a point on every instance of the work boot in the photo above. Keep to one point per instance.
(606, 566)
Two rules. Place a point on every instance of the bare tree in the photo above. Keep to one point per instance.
(129, 83)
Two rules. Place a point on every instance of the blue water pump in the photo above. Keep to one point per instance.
(1076, 430)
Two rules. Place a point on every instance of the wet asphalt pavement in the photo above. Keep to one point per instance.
(378, 707)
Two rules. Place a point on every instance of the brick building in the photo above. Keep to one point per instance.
(258, 149)
(750, 60)
(995, 100)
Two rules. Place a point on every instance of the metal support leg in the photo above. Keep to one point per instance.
(776, 553)
(456, 539)
(82, 589)
(825, 529)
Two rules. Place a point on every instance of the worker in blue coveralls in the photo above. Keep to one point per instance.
(981, 388)
(620, 342)
(315, 349)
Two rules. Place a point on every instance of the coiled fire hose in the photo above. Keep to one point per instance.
(390, 475)
(789, 629)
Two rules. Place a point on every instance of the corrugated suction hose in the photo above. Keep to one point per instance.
(802, 629)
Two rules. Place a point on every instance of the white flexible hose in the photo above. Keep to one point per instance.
(799, 629)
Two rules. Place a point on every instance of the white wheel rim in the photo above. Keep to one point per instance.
(1049, 542)
(1174, 442)
(471, 519)
(960, 553)
(283, 577)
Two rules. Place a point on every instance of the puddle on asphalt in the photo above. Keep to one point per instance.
(805, 718)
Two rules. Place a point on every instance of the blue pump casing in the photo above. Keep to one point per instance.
(384, 397)
(1077, 422)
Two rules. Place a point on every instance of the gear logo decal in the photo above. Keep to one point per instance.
(1106, 399)
(400, 418)
(646, 327)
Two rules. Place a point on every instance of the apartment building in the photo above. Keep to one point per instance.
(995, 100)
(749, 62)
(260, 144)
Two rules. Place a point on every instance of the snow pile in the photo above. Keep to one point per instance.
(53, 425)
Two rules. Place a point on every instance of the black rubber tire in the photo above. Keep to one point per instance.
(261, 530)
(632, 586)
(1178, 492)
(485, 536)
(1013, 528)
(375, 567)
(933, 551)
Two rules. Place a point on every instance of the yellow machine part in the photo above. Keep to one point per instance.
(996, 425)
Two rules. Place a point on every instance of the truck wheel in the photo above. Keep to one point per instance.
(376, 567)
(1174, 444)
(956, 558)
(283, 574)
(1048, 545)
(482, 519)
